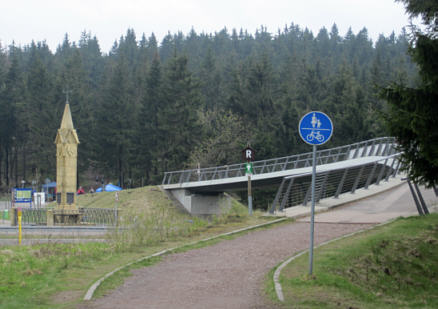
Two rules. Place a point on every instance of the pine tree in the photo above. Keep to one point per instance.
(178, 129)
(113, 130)
(40, 111)
(210, 82)
(11, 96)
(412, 114)
(147, 131)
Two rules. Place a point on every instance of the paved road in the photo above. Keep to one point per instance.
(4, 205)
(379, 208)
(43, 234)
(231, 273)
(33, 241)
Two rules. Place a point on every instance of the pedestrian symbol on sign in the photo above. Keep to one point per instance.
(249, 169)
(315, 128)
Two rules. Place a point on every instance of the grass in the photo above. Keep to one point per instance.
(58, 275)
(131, 199)
(393, 266)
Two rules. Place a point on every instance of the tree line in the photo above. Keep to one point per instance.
(193, 99)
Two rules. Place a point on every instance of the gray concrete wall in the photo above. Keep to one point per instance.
(200, 204)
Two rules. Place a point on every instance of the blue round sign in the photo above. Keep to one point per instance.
(315, 128)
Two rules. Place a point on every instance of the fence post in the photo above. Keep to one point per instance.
(308, 192)
(370, 177)
(381, 172)
(420, 197)
(356, 152)
(347, 153)
(286, 195)
(417, 203)
(435, 190)
(356, 182)
(396, 168)
(322, 187)
(373, 146)
(364, 151)
(341, 183)
(379, 149)
(277, 197)
(390, 171)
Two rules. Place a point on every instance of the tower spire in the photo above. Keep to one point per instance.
(67, 121)
(67, 92)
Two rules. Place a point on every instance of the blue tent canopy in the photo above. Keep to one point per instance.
(109, 188)
(49, 185)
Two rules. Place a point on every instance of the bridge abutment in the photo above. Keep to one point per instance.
(202, 204)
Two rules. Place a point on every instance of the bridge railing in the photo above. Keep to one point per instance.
(296, 190)
(382, 146)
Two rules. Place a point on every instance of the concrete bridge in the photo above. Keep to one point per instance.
(339, 170)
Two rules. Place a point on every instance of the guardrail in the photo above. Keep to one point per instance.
(382, 146)
(296, 190)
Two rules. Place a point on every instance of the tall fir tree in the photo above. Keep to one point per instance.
(147, 132)
(412, 113)
(113, 130)
(178, 130)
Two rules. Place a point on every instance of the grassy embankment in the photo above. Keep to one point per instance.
(393, 266)
(58, 275)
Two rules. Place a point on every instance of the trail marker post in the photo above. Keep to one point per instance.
(19, 214)
(248, 156)
(115, 208)
(315, 128)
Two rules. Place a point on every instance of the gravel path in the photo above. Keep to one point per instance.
(229, 274)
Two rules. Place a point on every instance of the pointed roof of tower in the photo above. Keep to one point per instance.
(66, 132)
(67, 121)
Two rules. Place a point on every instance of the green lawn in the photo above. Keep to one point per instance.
(58, 275)
(392, 266)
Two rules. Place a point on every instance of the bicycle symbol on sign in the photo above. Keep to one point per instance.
(315, 133)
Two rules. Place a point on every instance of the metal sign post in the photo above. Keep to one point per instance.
(115, 208)
(248, 155)
(249, 172)
(19, 214)
(315, 128)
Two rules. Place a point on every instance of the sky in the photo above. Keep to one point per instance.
(22, 21)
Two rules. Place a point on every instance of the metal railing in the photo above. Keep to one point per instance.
(96, 216)
(296, 190)
(99, 216)
(33, 216)
(382, 146)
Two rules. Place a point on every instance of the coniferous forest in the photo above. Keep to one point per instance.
(146, 107)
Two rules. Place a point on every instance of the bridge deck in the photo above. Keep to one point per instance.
(237, 183)
(272, 170)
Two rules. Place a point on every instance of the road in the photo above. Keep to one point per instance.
(378, 208)
(231, 274)
(4, 205)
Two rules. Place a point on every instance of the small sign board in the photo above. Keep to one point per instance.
(249, 170)
(22, 195)
(248, 154)
(315, 128)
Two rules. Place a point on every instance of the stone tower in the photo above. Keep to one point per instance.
(66, 142)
